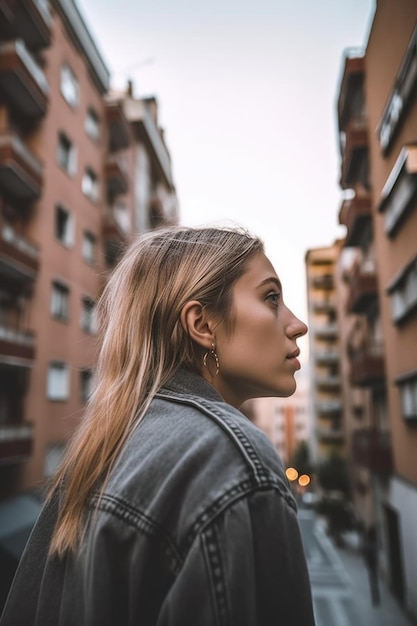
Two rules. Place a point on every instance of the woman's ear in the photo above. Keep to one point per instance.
(196, 324)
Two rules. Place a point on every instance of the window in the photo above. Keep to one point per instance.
(86, 380)
(408, 391)
(403, 292)
(88, 316)
(90, 184)
(64, 226)
(404, 85)
(92, 125)
(400, 190)
(57, 387)
(67, 154)
(89, 247)
(60, 301)
(69, 86)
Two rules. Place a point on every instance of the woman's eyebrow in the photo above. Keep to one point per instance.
(271, 279)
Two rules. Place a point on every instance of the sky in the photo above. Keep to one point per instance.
(247, 95)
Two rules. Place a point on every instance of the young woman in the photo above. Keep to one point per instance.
(171, 507)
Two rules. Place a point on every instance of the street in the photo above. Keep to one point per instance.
(340, 585)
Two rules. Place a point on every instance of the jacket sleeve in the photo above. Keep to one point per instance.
(247, 568)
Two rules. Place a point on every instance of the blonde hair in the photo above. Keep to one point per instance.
(142, 344)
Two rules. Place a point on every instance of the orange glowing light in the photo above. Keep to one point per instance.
(291, 473)
(304, 480)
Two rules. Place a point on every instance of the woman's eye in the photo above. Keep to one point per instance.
(274, 297)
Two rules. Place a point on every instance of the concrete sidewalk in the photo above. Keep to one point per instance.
(388, 612)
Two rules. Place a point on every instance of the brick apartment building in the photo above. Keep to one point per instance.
(375, 277)
(81, 170)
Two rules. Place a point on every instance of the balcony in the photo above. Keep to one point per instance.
(20, 170)
(117, 175)
(22, 80)
(329, 408)
(355, 155)
(16, 347)
(325, 281)
(328, 382)
(33, 23)
(367, 367)
(326, 331)
(351, 86)
(363, 291)
(328, 356)
(119, 129)
(19, 258)
(371, 448)
(16, 442)
(330, 435)
(324, 305)
(144, 125)
(355, 214)
(115, 233)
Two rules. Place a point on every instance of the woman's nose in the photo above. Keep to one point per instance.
(296, 327)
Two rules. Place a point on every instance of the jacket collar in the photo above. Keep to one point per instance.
(188, 382)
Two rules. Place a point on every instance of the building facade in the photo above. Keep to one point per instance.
(325, 358)
(376, 283)
(81, 170)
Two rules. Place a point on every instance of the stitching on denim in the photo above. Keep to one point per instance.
(217, 578)
(227, 499)
(228, 425)
(139, 520)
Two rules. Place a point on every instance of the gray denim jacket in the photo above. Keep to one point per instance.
(197, 527)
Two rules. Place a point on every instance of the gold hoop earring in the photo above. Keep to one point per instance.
(213, 354)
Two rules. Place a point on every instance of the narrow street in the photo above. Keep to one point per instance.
(340, 585)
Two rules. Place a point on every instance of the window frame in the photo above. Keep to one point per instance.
(66, 154)
(68, 237)
(91, 188)
(63, 392)
(69, 86)
(59, 302)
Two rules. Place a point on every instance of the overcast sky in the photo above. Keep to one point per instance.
(247, 98)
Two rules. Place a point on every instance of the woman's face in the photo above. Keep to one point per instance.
(258, 357)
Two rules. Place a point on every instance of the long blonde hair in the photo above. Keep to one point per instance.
(142, 343)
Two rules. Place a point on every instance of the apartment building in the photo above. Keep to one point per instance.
(376, 283)
(81, 170)
(325, 390)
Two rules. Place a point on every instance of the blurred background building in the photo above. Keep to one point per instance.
(362, 295)
(81, 170)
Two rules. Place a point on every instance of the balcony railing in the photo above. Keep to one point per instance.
(363, 291)
(367, 367)
(20, 170)
(330, 435)
(324, 305)
(22, 80)
(328, 382)
(117, 174)
(18, 256)
(119, 130)
(16, 346)
(33, 23)
(329, 407)
(143, 123)
(352, 81)
(355, 154)
(355, 213)
(326, 356)
(113, 228)
(371, 448)
(16, 442)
